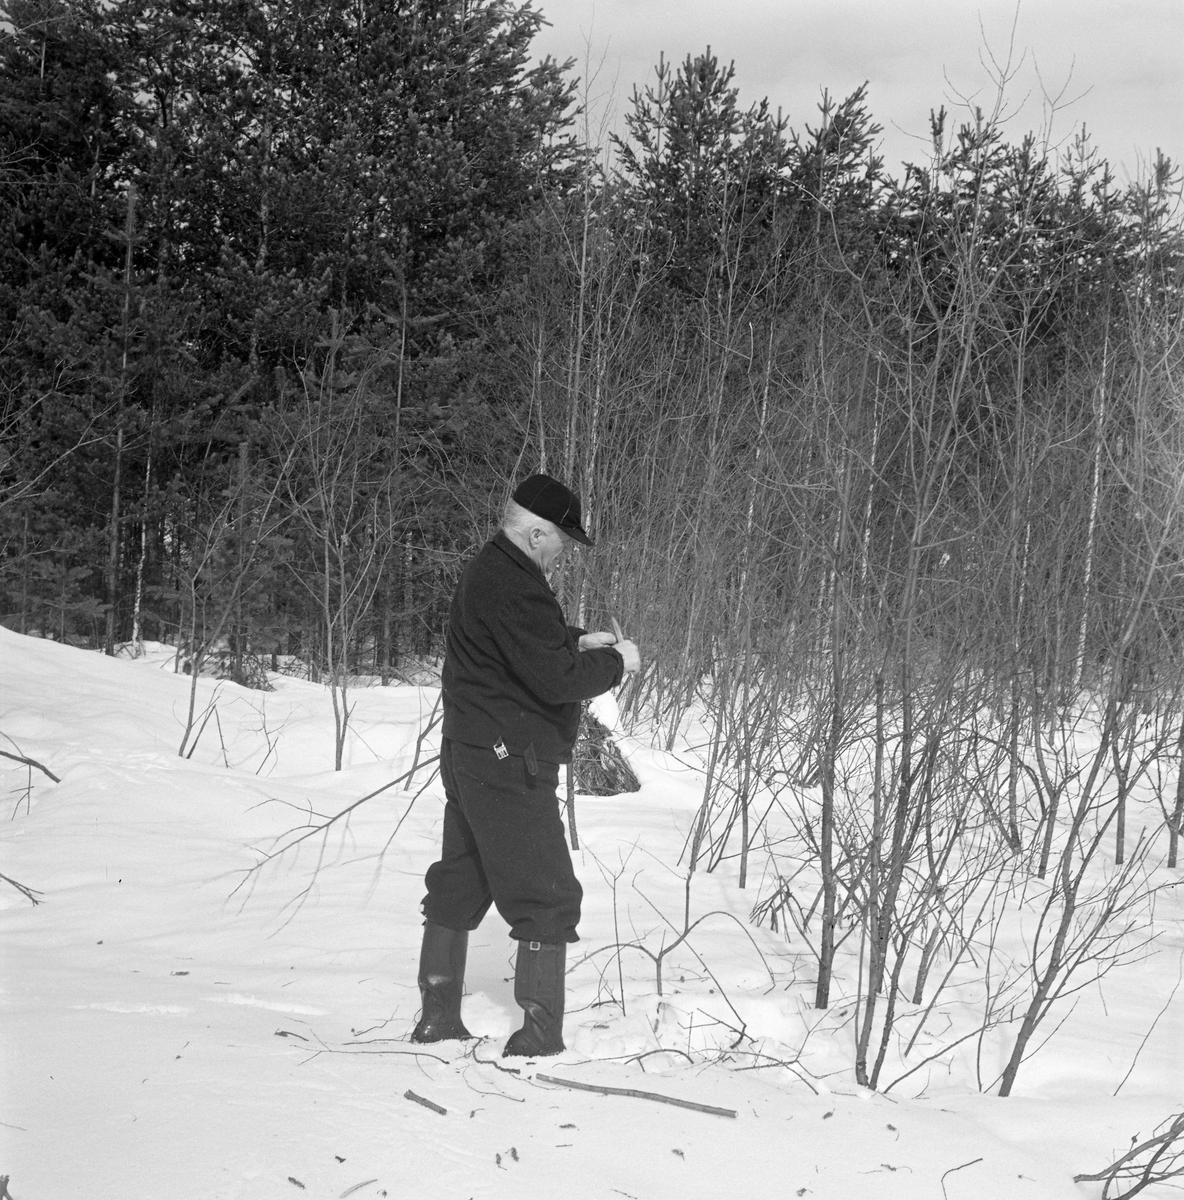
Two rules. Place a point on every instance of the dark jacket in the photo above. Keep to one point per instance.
(513, 670)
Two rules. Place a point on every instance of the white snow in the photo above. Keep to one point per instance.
(176, 1026)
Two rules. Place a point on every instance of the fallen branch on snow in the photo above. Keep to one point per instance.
(29, 762)
(410, 1095)
(612, 1091)
(1158, 1159)
(350, 1190)
(31, 894)
(951, 1171)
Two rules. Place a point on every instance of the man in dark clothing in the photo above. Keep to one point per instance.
(514, 676)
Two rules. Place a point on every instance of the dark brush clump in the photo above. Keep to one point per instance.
(600, 768)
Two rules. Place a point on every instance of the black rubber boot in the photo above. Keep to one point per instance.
(538, 989)
(441, 983)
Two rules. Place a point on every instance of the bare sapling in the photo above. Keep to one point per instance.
(1175, 820)
(678, 932)
(1088, 921)
(343, 493)
(318, 829)
(1148, 1162)
(227, 558)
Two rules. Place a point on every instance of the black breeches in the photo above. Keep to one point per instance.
(503, 843)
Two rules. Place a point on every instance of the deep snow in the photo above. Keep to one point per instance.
(175, 1028)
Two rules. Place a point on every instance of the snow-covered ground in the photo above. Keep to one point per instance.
(175, 1026)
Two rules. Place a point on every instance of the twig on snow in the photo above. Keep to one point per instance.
(350, 1190)
(481, 1092)
(410, 1095)
(31, 894)
(408, 1053)
(1156, 1160)
(953, 1169)
(792, 1067)
(489, 1062)
(28, 762)
(327, 1049)
(661, 1050)
(640, 1095)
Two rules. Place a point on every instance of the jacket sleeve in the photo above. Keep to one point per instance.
(543, 653)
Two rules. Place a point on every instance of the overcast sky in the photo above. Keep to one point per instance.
(1117, 65)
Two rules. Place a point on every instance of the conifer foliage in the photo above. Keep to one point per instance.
(206, 205)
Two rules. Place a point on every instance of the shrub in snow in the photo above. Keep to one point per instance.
(599, 766)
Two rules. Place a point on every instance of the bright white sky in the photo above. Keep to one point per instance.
(1118, 65)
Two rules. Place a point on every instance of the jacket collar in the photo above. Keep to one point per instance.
(528, 564)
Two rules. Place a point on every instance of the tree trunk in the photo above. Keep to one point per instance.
(1174, 825)
(114, 528)
(137, 631)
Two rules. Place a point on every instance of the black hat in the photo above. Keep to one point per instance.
(548, 498)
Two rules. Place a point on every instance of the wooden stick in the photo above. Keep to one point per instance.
(410, 1095)
(30, 894)
(30, 762)
(952, 1170)
(612, 1091)
(571, 806)
(617, 629)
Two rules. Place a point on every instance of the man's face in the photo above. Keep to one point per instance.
(549, 543)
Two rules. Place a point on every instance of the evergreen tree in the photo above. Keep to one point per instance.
(292, 168)
(705, 176)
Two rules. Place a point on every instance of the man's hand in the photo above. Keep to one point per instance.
(629, 652)
(597, 641)
(627, 649)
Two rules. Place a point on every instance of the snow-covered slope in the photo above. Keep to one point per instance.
(177, 1026)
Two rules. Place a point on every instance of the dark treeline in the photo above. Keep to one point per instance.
(289, 291)
(250, 260)
(888, 468)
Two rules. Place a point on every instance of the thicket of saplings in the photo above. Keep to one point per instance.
(888, 481)
(908, 544)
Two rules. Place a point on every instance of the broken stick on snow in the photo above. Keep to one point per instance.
(410, 1095)
(612, 1091)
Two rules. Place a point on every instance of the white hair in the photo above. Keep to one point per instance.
(519, 520)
